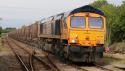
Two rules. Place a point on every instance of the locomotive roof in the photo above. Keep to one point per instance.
(87, 8)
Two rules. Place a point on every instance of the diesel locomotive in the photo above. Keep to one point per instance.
(78, 35)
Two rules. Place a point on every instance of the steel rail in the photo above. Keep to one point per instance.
(31, 62)
(52, 66)
(37, 58)
(101, 67)
(56, 68)
(77, 67)
(18, 57)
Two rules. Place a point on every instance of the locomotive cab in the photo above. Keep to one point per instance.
(86, 29)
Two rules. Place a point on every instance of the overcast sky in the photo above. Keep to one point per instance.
(16, 13)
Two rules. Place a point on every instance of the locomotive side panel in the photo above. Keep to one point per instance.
(51, 29)
(34, 30)
(48, 28)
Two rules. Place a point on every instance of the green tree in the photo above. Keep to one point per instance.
(0, 31)
(112, 19)
(119, 27)
(99, 3)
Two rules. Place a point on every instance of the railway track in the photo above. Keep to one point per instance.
(103, 68)
(48, 64)
(96, 67)
(21, 61)
(90, 67)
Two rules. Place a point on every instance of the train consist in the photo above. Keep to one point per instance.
(78, 35)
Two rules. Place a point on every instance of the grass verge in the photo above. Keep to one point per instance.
(110, 59)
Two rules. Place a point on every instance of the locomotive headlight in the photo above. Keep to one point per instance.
(74, 41)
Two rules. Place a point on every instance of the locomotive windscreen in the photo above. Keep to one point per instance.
(77, 22)
(95, 22)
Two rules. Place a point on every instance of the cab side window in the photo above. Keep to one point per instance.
(56, 28)
(65, 24)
